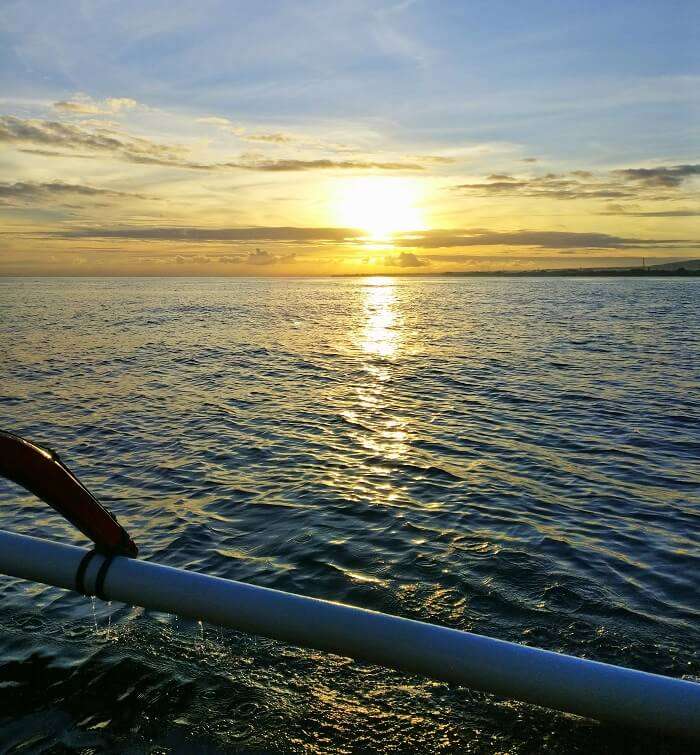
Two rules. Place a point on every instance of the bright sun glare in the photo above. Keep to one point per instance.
(379, 206)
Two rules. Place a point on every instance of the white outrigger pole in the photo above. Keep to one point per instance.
(576, 685)
(563, 682)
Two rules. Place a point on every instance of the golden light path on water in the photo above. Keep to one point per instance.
(380, 339)
(376, 423)
(380, 335)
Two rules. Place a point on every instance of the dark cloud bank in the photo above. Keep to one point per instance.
(437, 239)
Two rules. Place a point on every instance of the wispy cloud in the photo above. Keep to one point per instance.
(195, 234)
(275, 138)
(215, 120)
(53, 153)
(30, 192)
(71, 137)
(561, 240)
(244, 133)
(582, 184)
(615, 210)
(324, 164)
(83, 105)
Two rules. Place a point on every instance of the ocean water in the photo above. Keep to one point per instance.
(518, 458)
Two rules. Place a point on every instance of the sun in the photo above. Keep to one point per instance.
(380, 206)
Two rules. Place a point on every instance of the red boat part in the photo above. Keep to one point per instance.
(40, 471)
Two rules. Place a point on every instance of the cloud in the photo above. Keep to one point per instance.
(406, 259)
(582, 184)
(550, 186)
(258, 258)
(183, 259)
(88, 106)
(261, 257)
(226, 124)
(408, 162)
(564, 241)
(663, 177)
(276, 138)
(215, 120)
(101, 123)
(30, 192)
(658, 214)
(53, 153)
(323, 164)
(561, 240)
(71, 137)
(196, 234)
(434, 159)
(502, 177)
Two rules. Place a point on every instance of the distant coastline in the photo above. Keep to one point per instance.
(583, 273)
(680, 269)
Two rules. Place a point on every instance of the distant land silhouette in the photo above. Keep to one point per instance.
(687, 268)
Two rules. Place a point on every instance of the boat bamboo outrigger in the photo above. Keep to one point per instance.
(554, 680)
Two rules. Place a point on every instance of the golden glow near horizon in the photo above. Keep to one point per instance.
(378, 205)
(389, 146)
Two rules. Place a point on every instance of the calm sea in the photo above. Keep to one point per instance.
(519, 458)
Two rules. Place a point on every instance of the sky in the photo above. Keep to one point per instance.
(225, 137)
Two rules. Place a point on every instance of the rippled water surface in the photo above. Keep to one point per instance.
(513, 457)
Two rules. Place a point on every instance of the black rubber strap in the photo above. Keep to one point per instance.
(82, 569)
(101, 576)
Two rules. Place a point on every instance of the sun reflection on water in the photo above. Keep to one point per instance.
(380, 335)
